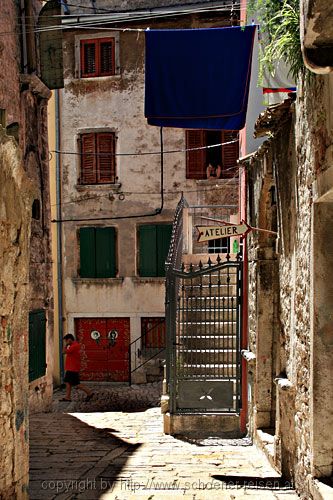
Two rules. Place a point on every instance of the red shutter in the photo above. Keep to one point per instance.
(106, 158)
(88, 159)
(230, 153)
(106, 52)
(195, 160)
(88, 58)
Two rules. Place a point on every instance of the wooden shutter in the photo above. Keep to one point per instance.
(106, 55)
(230, 153)
(105, 252)
(88, 159)
(89, 58)
(87, 252)
(105, 159)
(147, 251)
(163, 234)
(37, 344)
(195, 160)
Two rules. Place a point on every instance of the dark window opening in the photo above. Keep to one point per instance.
(199, 156)
(36, 210)
(37, 344)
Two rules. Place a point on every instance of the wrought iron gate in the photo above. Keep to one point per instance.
(203, 317)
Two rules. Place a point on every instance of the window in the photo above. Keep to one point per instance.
(197, 161)
(220, 245)
(97, 158)
(153, 332)
(97, 252)
(37, 344)
(97, 57)
(154, 242)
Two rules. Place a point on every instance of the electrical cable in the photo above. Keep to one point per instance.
(172, 151)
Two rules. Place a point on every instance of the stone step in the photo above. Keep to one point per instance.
(214, 290)
(209, 356)
(207, 370)
(209, 314)
(208, 327)
(207, 341)
(209, 301)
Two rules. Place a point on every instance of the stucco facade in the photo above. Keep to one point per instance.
(116, 104)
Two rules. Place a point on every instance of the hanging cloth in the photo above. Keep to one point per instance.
(198, 78)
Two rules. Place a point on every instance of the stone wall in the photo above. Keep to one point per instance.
(25, 257)
(296, 161)
(16, 194)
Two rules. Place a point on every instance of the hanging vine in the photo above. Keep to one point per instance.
(279, 24)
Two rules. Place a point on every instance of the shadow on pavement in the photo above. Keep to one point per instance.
(71, 459)
(255, 483)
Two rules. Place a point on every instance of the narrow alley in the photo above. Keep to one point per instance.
(80, 453)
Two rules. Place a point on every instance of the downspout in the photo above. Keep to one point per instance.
(59, 234)
(24, 37)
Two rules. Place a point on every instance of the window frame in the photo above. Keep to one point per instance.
(37, 344)
(156, 321)
(145, 263)
(91, 266)
(196, 161)
(97, 42)
(94, 177)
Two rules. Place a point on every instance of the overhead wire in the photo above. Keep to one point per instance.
(94, 24)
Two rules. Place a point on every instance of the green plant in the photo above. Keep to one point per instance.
(279, 25)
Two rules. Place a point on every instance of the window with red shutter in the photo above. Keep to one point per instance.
(226, 156)
(230, 153)
(195, 160)
(98, 158)
(97, 57)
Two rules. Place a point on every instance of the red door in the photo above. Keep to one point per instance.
(104, 348)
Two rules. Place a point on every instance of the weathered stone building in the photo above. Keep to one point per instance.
(290, 292)
(130, 210)
(25, 296)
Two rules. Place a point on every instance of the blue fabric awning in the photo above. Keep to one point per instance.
(198, 78)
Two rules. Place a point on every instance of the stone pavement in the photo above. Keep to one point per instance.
(124, 455)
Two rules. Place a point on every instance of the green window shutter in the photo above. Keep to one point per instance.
(37, 345)
(147, 252)
(163, 243)
(105, 252)
(87, 252)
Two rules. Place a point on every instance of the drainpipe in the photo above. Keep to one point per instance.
(24, 37)
(59, 234)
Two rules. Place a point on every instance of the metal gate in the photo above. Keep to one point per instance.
(203, 332)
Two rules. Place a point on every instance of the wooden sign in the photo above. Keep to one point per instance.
(207, 233)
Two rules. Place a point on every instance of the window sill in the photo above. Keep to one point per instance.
(97, 281)
(86, 79)
(147, 279)
(209, 182)
(99, 187)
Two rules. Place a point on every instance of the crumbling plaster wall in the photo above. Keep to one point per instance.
(16, 194)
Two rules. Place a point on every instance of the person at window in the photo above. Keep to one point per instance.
(213, 172)
(72, 368)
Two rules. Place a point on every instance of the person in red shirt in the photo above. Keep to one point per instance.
(72, 368)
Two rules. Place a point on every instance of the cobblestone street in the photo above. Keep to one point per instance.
(82, 451)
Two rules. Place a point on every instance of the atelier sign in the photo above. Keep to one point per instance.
(207, 233)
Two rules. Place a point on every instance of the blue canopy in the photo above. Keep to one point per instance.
(198, 78)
